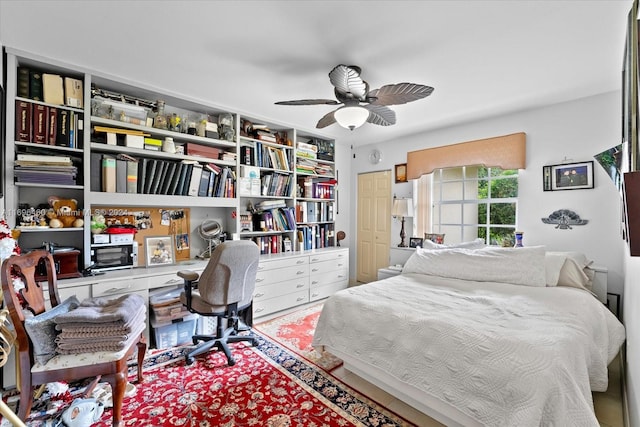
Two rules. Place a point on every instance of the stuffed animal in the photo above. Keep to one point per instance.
(64, 213)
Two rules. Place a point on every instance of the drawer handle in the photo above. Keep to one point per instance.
(116, 290)
(340, 265)
(314, 295)
(259, 280)
(340, 255)
(172, 281)
(315, 282)
(299, 272)
(258, 310)
(340, 276)
(300, 299)
(300, 285)
(315, 269)
(315, 259)
(258, 295)
(260, 267)
(300, 261)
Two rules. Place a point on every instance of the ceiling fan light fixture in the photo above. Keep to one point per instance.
(351, 117)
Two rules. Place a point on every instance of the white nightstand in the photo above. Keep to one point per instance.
(384, 273)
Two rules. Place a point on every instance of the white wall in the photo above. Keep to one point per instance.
(575, 130)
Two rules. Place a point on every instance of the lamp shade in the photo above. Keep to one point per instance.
(402, 207)
(351, 117)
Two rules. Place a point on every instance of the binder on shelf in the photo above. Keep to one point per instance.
(183, 182)
(161, 167)
(204, 183)
(194, 181)
(40, 130)
(96, 172)
(24, 122)
(175, 180)
(151, 174)
(142, 174)
(108, 173)
(64, 127)
(121, 176)
(132, 176)
(52, 89)
(168, 178)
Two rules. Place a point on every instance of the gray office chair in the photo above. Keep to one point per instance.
(223, 290)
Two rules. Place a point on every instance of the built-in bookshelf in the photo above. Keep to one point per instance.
(105, 141)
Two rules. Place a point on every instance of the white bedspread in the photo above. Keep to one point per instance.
(504, 355)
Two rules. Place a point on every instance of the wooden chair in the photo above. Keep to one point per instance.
(112, 366)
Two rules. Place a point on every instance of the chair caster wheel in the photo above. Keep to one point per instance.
(231, 362)
(188, 360)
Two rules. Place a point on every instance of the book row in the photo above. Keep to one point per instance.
(43, 124)
(266, 156)
(272, 244)
(49, 87)
(280, 219)
(314, 212)
(124, 174)
(315, 189)
(315, 236)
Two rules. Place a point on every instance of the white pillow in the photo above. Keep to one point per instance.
(573, 275)
(553, 262)
(520, 266)
(567, 269)
(578, 257)
(474, 244)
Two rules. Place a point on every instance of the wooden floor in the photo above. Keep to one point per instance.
(608, 405)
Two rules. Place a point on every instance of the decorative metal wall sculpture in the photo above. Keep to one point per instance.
(564, 219)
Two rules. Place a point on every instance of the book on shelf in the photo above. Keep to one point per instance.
(73, 90)
(52, 126)
(108, 173)
(213, 168)
(24, 122)
(183, 182)
(35, 85)
(151, 174)
(43, 159)
(52, 89)
(64, 127)
(199, 150)
(213, 179)
(22, 89)
(247, 155)
(142, 174)
(39, 128)
(175, 179)
(96, 171)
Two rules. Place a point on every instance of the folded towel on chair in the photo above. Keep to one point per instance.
(90, 346)
(102, 310)
(91, 329)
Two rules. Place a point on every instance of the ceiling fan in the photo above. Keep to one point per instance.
(361, 105)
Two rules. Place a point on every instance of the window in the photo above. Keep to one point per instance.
(470, 202)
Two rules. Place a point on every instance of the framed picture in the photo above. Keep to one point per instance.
(159, 251)
(414, 242)
(401, 173)
(568, 176)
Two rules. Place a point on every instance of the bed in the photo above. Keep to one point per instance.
(479, 336)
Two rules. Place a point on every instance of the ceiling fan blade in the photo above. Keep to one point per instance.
(400, 93)
(309, 102)
(327, 120)
(380, 115)
(347, 80)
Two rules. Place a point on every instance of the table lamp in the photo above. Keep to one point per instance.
(402, 208)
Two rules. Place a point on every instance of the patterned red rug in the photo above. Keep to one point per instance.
(295, 331)
(268, 386)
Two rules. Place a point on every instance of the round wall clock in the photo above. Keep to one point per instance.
(375, 156)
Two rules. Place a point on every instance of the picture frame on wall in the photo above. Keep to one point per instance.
(568, 176)
(401, 173)
(159, 250)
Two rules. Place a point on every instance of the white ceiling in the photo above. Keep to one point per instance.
(482, 57)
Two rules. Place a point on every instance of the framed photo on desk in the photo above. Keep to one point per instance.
(159, 251)
(415, 242)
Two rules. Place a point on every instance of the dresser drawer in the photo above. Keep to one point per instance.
(326, 277)
(274, 264)
(326, 291)
(163, 280)
(105, 289)
(331, 255)
(271, 305)
(277, 276)
(327, 266)
(282, 288)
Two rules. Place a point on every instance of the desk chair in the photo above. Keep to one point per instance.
(112, 366)
(223, 290)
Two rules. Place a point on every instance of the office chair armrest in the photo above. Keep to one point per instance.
(190, 281)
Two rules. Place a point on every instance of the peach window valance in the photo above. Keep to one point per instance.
(506, 152)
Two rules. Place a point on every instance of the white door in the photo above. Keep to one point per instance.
(374, 223)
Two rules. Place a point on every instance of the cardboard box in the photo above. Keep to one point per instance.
(134, 141)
